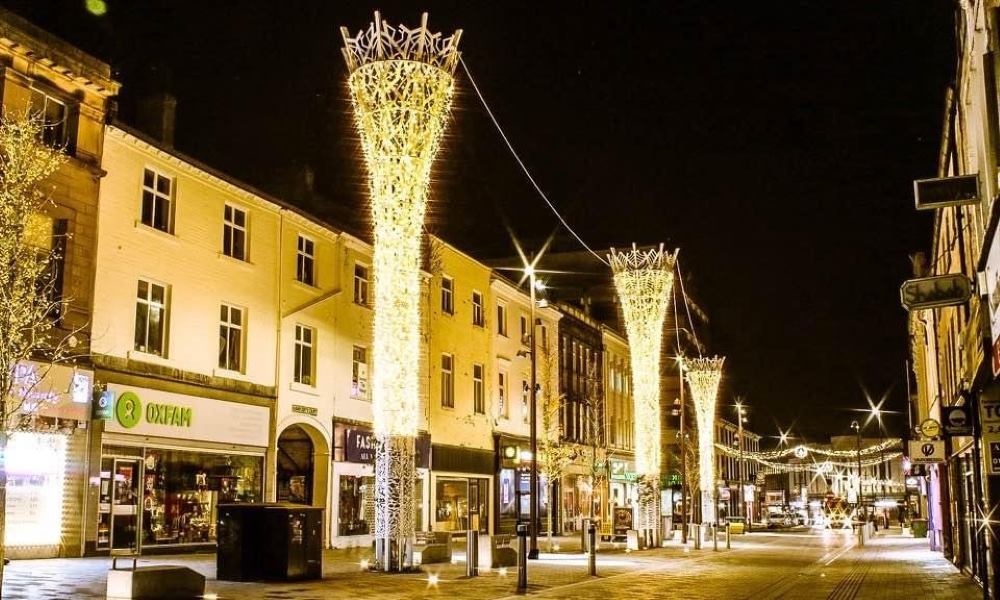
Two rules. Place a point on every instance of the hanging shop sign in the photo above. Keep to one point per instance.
(929, 194)
(620, 471)
(929, 428)
(989, 417)
(359, 447)
(957, 420)
(935, 292)
(926, 452)
(143, 411)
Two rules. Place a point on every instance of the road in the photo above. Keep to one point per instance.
(760, 566)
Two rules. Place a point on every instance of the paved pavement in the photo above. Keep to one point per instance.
(762, 566)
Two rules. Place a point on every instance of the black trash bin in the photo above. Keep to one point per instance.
(278, 542)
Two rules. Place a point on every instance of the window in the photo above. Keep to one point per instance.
(234, 233)
(304, 261)
(304, 340)
(525, 390)
(151, 318)
(448, 295)
(502, 398)
(477, 309)
(156, 200)
(545, 339)
(54, 115)
(447, 381)
(360, 284)
(524, 330)
(478, 391)
(502, 319)
(231, 338)
(359, 374)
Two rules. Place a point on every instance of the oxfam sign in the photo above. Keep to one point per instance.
(129, 412)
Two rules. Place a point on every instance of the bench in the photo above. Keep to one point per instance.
(496, 551)
(436, 546)
(155, 582)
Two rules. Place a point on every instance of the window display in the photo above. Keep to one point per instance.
(36, 464)
(357, 505)
(462, 504)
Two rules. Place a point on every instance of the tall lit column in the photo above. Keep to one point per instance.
(703, 376)
(643, 279)
(401, 83)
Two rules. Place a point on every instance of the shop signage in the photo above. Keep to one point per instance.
(305, 410)
(989, 284)
(929, 194)
(623, 519)
(143, 411)
(956, 420)
(620, 472)
(935, 292)
(989, 416)
(929, 428)
(359, 447)
(103, 406)
(926, 452)
(52, 390)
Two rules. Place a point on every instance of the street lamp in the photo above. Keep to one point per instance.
(740, 419)
(857, 432)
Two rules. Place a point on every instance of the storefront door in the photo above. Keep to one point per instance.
(125, 514)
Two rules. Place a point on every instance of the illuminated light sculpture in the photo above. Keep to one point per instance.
(703, 376)
(401, 83)
(644, 279)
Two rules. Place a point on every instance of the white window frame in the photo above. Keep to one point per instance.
(167, 199)
(50, 129)
(503, 403)
(226, 323)
(448, 381)
(478, 389)
(305, 260)
(502, 318)
(525, 399)
(359, 380)
(230, 228)
(304, 367)
(163, 307)
(362, 285)
(447, 295)
(478, 317)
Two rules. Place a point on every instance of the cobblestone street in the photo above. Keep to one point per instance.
(761, 566)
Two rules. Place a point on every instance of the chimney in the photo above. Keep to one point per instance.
(156, 116)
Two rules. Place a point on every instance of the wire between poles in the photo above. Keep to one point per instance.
(687, 307)
(523, 167)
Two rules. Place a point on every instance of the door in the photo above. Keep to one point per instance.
(125, 515)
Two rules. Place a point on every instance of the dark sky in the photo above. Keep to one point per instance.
(774, 142)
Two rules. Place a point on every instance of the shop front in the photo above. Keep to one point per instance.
(46, 461)
(167, 460)
(513, 489)
(354, 485)
(461, 489)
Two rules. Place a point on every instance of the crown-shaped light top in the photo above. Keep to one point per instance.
(704, 364)
(382, 41)
(638, 259)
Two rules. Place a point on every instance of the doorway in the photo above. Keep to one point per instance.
(295, 459)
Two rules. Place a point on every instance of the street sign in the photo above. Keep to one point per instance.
(935, 292)
(989, 416)
(926, 452)
(929, 194)
(956, 420)
(930, 428)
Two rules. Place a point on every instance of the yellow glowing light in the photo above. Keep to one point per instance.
(703, 376)
(503, 571)
(643, 279)
(401, 83)
(36, 465)
(432, 579)
(364, 564)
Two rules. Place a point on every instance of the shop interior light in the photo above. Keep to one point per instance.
(36, 467)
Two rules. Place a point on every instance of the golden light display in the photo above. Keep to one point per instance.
(703, 376)
(644, 279)
(786, 452)
(401, 83)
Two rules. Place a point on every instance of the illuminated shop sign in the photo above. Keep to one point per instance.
(52, 390)
(36, 466)
(359, 447)
(129, 411)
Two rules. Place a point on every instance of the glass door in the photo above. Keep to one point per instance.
(125, 514)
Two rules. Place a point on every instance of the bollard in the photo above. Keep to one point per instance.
(729, 533)
(715, 537)
(522, 558)
(592, 534)
(696, 530)
(471, 553)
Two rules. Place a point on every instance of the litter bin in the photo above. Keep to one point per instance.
(737, 525)
(281, 542)
(919, 528)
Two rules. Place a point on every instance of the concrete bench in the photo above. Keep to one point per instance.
(155, 582)
(436, 547)
(495, 551)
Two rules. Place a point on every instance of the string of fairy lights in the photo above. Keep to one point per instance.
(869, 456)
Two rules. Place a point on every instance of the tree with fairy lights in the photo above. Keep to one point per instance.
(703, 376)
(29, 306)
(401, 82)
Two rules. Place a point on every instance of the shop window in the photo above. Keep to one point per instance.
(357, 505)
(304, 356)
(478, 391)
(359, 373)
(305, 258)
(231, 325)
(36, 466)
(462, 504)
(234, 232)
(157, 201)
(151, 318)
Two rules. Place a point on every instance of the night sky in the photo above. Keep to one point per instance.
(774, 142)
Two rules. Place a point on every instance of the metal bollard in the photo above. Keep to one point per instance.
(592, 534)
(715, 537)
(471, 553)
(522, 558)
(729, 533)
(696, 530)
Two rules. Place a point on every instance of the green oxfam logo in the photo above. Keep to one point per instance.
(128, 410)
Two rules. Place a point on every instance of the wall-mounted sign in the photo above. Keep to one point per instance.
(956, 420)
(929, 194)
(144, 411)
(359, 447)
(989, 284)
(929, 428)
(103, 406)
(935, 292)
(620, 471)
(989, 417)
(926, 452)
(305, 410)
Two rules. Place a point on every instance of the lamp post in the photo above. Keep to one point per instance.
(740, 418)
(533, 508)
(857, 439)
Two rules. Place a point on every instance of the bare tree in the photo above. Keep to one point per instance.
(596, 435)
(554, 455)
(28, 306)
